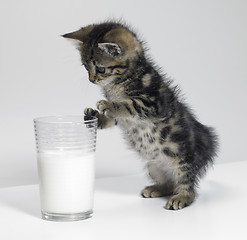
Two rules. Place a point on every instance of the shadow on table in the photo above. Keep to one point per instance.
(132, 184)
(215, 192)
(22, 198)
(210, 192)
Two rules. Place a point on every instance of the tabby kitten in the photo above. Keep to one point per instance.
(156, 123)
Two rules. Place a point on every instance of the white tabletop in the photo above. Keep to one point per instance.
(219, 212)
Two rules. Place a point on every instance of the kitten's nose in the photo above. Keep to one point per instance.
(92, 78)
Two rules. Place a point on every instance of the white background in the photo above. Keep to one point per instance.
(202, 45)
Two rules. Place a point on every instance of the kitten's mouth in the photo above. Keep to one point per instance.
(101, 82)
(92, 81)
(96, 81)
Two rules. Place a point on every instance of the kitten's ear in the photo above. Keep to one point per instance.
(110, 49)
(79, 35)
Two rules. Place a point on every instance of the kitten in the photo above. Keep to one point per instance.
(156, 123)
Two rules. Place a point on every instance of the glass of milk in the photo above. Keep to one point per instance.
(66, 153)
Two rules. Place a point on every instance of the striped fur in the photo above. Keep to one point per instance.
(155, 122)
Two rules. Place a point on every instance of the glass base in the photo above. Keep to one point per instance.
(60, 217)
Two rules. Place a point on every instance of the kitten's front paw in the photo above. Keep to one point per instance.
(90, 112)
(106, 108)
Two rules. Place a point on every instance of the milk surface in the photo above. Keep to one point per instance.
(66, 181)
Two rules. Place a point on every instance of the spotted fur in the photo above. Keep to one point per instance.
(155, 122)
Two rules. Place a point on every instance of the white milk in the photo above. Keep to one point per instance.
(66, 182)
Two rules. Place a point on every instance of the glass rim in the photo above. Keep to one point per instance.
(55, 119)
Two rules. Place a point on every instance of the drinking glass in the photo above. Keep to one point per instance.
(65, 157)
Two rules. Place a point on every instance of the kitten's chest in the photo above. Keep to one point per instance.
(115, 93)
(141, 137)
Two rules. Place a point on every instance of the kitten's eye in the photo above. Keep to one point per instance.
(100, 69)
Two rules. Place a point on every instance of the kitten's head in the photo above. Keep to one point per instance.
(107, 50)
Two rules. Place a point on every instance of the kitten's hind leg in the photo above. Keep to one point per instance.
(156, 191)
(163, 187)
(183, 196)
